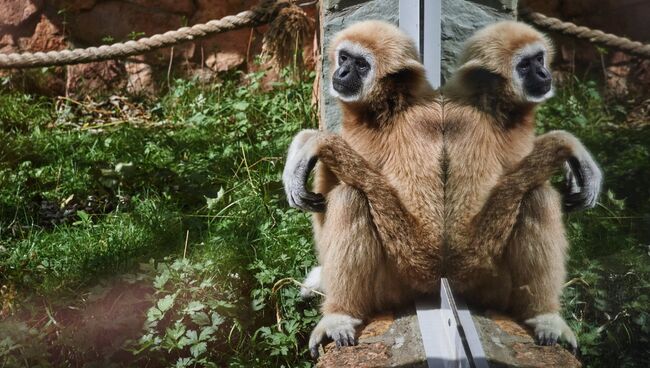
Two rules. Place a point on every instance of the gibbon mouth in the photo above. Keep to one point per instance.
(343, 88)
(540, 90)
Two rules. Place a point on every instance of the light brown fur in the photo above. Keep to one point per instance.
(378, 240)
(505, 240)
(393, 212)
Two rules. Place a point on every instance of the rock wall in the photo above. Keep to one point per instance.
(38, 25)
(461, 18)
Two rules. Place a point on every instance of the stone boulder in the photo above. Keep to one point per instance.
(395, 341)
(15, 12)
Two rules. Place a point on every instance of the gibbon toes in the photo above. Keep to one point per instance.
(344, 338)
(547, 338)
(341, 328)
(549, 328)
(311, 283)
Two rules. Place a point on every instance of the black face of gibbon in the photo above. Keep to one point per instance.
(348, 78)
(536, 79)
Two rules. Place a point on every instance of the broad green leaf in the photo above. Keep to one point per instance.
(165, 303)
(198, 349)
(240, 105)
(201, 318)
(194, 306)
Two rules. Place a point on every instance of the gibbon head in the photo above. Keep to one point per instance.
(507, 58)
(372, 58)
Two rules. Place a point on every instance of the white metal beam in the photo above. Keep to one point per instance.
(421, 20)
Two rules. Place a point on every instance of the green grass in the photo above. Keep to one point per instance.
(608, 299)
(92, 190)
(206, 165)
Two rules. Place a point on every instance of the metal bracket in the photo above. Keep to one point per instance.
(448, 333)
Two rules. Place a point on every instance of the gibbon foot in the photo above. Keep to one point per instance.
(549, 328)
(311, 283)
(339, 327)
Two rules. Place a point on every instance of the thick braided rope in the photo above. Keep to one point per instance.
(253, 17)
(593, 35)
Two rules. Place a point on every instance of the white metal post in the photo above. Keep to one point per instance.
(421, 20)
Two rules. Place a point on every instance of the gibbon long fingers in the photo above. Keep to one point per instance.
(300, 162)
(583, 184)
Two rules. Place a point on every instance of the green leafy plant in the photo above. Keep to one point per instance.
(606, 299)
(195, 308)
(192, 179)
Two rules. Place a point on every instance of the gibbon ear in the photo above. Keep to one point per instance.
(474, 73)
(472, 77)
(412, 71)
(414, 66)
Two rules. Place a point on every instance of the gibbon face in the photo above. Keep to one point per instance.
(368, 58)
(353, 74)
(531, 75)
(509, 59)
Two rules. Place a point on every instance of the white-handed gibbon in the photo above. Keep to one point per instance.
(379, 182)
(388, 179)
(504, 236)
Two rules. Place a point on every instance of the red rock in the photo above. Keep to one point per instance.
(577, 7)
(99, 77)
(74, 5)
(7, 43)
(548, 7)
(170, 6)
(14, 12)
(619, 57)
(230, 42)
(47, 36)
(140, 79)
(207, 10)
(223, 61)
(119, 20)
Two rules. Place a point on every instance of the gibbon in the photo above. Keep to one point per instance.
(390, 185)
(504, 237)
(379, 182)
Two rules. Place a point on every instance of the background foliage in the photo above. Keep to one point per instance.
(180, 199)
(607, 299)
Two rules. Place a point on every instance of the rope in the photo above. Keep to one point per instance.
(261, 15)
(593, 35)
(254, 17)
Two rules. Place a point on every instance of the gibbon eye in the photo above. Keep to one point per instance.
(523, 66)
(540, 58)
(342, 57)
(362, 64)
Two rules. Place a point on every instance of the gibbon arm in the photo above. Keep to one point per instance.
(411, 248)
(494, 223)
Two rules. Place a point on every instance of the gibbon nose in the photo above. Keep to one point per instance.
(343, 72)
(543, 75)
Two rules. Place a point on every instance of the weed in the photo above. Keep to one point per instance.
(192, 181)
(606, 300)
